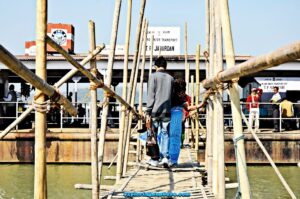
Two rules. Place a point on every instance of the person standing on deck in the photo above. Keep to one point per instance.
(252, 105)
(159, 107)
(287, 112)
(11, 107)
(275, 100)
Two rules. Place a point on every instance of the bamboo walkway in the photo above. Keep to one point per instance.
(186, 177)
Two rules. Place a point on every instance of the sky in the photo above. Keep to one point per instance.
(258, 26)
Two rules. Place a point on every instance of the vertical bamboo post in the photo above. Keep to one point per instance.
(137, 47)
(197, 95)
(93, 120)
(187, 67)
(151, 55)
(215, 141)
(208, 133)
(141, 90)
(219, 106)
(40, 172)
(113, 42)
(211, 73)
(192, 120)
(235, 102)
(132, 100)
(124, 94)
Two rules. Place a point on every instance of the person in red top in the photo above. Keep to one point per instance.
(252, 105)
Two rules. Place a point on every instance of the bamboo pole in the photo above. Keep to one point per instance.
(187, 67)
(124, 94)
(282, 55)
(40, 172)
(211, 172)
(192, 120)
(90, 76)
(197, 95)
(215, 141)
(219, 107)
(20, 69)
(260, 144)
(137, 45)
(151, 55)
(132, 100)
(93, 93)
(141, 90)
(57, 85)
(235, 101)
(113, 42)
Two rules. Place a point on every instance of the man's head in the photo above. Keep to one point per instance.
(70, 94)
(161, 62)
(275, 89)
(11, 87)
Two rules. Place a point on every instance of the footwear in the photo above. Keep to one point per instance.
(164, 162)
(275, 130)
(153, 163)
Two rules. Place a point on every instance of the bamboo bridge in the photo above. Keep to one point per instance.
(188, 176)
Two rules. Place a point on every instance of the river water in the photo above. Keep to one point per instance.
(16, 181)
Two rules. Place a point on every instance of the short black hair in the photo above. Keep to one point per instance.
(161, 62)
(11, 87)
(276, 87)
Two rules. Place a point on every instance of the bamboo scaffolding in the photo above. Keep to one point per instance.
(138, 147)
(57, 85)
(192, 120)
(151, 55)
(282, 55)
(219, 107)
(197, 95)
(124, 94)
(235, 102)
(40, 172)
(90, 76)
(132, 100)
(22, 71)
(187, 67)
(210, 173)
(137, 47)
(93, 110)
(260, 144)
(113, 42)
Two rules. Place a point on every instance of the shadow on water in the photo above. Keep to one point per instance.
(265, 184)
(16, 181)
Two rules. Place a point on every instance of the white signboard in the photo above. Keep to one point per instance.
(283, 85)
(119, 50)
(166, 40)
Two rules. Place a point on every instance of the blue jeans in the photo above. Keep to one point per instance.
(161, 129)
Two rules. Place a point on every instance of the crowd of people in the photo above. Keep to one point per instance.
(279, 105)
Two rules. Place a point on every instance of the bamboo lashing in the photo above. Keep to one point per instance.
(90, 76)
(124, 93)
(219, 107)
(40, 171)
(282, 55)
(110, 64)
(22, 71)
(56, 85)
(93, 119)
(235, 101)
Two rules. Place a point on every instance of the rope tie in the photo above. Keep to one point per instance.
(41, 107)
(235, 141)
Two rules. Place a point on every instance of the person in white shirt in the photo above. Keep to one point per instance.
(11, 107)
(276, 98)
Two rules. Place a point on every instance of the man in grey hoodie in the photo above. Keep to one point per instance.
(159, 107)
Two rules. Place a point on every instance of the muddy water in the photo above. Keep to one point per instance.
(16, 181)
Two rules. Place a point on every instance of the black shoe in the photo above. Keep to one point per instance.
(275, 130)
